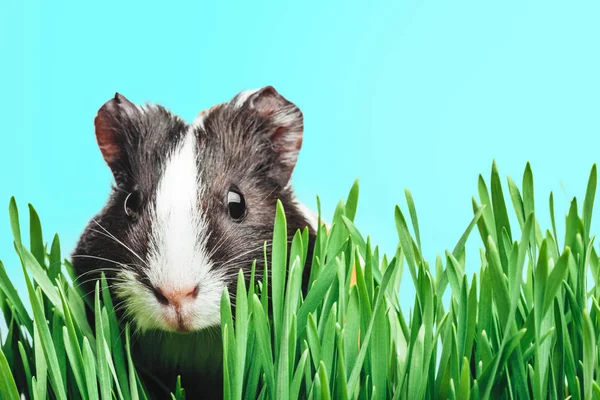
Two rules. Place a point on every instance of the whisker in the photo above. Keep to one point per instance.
(104, 259)
(110, 283)
(120, 242)
(123, 266)
(79, 283)
(243, 254)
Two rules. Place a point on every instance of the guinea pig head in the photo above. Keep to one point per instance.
(191, 204)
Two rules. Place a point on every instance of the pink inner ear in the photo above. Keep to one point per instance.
(110, 153)
(267, 101)
(266, 106)
(107, 140)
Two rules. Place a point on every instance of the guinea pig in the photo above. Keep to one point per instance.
(191, 205)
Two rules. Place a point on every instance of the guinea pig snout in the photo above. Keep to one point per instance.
(176, 296)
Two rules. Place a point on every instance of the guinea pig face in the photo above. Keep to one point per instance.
(192, 203)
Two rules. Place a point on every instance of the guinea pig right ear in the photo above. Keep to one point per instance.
(286, 126)
(111, 129)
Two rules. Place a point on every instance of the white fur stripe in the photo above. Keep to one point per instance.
(178, 222)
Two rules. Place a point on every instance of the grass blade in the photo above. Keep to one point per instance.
(8, 387)
(278, 272)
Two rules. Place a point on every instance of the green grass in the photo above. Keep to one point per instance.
(526, 326)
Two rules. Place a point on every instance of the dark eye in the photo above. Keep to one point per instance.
(236, 205)
(132, 204)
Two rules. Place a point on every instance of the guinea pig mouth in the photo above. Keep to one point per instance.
(187, 309)
(177, 321)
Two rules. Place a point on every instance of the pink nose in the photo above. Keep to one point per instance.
(176, 296)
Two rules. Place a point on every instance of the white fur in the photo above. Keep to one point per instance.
(199, 120)
(243, 96)
(177, 258)
(311, 217)
(142, 108)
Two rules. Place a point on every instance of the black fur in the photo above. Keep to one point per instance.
(239, 147)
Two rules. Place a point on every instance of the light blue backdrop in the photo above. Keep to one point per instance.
(418, 94)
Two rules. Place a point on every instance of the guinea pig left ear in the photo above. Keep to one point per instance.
(286, 126)
(111, 125)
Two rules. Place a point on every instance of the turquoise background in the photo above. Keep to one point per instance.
(417, 94)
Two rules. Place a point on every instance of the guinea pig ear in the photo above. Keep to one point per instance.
(286, 127)
(111, 129)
